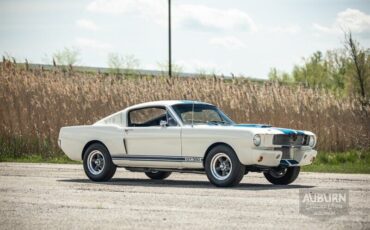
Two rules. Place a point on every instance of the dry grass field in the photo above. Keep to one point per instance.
(34, 104)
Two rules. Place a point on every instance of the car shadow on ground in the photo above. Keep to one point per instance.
(183, 184)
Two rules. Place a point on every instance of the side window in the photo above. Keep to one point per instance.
(202, 115)
(116, 119)
(151, 116)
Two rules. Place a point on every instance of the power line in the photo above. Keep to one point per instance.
(169, 40)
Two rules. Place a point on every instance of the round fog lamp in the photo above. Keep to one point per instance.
(257, 140)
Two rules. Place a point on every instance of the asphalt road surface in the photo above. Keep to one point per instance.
(52, 196)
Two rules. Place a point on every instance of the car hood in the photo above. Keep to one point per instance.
(283, 130)
(257, 129)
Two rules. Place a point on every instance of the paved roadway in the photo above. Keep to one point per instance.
(52, 196)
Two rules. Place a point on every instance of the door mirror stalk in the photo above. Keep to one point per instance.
(163, 123)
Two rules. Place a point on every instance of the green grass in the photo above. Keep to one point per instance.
(38, 159)
(344, 162)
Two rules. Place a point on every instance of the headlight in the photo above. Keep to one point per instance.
(257, 140)
(312, 141)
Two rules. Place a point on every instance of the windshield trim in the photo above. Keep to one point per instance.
(226, 120)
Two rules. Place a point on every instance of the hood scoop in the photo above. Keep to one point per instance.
(254, 125)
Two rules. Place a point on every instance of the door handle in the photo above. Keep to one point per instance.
(128, 130)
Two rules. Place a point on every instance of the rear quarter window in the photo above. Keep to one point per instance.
(114, 120)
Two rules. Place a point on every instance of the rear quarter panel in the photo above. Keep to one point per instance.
(73, 139)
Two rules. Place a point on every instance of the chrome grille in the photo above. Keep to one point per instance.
(290, 140)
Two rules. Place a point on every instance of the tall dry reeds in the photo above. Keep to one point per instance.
(34, 104)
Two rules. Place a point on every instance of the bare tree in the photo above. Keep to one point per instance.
(164, 68)
(128, 63)
(67, 56)
(359, 59)
(114, 63)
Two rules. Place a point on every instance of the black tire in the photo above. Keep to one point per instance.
(108, 169)
(158, 175)
(288, 177)
(236, 173)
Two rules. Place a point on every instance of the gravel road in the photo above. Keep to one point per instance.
(49, 196)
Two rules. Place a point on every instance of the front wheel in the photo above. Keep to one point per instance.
(282, 176)
(223, 167)
(98, 163)
(157, 175)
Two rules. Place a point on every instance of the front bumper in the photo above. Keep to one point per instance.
(287, 157)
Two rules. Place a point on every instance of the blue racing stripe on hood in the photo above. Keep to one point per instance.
(285, 131)
(289, 131)
(254, 125)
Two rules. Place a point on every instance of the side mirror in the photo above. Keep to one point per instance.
(163, 123)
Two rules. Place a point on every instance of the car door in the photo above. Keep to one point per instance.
(152, 138)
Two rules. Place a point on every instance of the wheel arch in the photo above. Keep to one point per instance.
(214, 145)
(88, 144)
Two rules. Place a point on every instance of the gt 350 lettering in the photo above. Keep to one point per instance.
(193, 159)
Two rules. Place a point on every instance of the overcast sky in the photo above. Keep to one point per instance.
(238, 36)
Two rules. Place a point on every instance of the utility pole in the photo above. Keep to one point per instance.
(169, 40)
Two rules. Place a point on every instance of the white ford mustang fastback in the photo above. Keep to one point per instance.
(161, 137)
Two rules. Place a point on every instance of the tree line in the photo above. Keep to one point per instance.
(345, 71)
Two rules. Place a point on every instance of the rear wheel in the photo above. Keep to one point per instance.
(158, 175)
(282, 176)
(98, 163)
(223, 167)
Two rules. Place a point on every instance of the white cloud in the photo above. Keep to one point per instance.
(355, 20)
(324, 29)
(184, 15)
(207, 17)
(87, 24)
(228, 42)
(149, 9)
(92, 44)
(115, 6)
(292, 29)
(350, 19)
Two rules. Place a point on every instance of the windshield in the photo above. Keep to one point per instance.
(203, 114)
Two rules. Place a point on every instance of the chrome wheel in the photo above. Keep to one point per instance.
(95, 162)
(221, 166)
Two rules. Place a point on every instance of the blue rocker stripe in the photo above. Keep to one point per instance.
(152, 158)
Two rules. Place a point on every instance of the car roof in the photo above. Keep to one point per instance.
(167, 103)
(151, 103)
